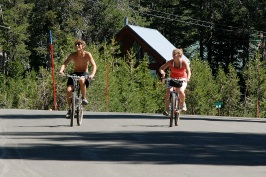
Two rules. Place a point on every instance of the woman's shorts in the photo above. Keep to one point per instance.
(184, 84)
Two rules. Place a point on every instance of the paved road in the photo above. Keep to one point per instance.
(41, 144)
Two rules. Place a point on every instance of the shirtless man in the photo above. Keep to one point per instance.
(81, 60)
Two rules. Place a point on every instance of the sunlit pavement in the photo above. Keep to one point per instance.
(41, 143)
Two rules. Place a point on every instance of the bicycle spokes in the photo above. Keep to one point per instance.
(174, 108)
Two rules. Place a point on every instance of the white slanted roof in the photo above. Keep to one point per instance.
(155, 40)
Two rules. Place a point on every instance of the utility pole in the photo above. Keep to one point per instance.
(262, 46)
(2, 27)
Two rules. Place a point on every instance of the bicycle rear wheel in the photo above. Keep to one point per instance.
(173, 108)
(79, 114)
(73, 109)
(177, 113)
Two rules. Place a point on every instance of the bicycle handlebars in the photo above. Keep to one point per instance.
(75, 76)
(170, 78)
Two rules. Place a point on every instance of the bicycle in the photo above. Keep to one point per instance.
(76, 100)
(174, 106)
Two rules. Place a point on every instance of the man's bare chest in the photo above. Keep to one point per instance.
(80, 60)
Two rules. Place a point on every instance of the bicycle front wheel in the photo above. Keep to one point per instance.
(173, 108)
(79, 114)
(73, 109)
(177, 113)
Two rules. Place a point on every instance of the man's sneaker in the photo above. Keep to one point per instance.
(68, 114)
(165, 113)
(84, 101)
(184, 107)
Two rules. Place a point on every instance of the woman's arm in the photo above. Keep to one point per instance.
(163, 67)
(188, 70)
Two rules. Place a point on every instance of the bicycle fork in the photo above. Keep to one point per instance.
(78, 101)
(177, 103)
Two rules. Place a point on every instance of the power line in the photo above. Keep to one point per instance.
(174, 17)
(192, 21)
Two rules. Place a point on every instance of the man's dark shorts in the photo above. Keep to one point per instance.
(70, 80)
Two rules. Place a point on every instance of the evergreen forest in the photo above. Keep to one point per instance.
(225, 41)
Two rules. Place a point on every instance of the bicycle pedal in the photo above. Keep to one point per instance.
(178, 111)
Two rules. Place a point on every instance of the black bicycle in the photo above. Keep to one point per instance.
(174, 106)
(76, 100)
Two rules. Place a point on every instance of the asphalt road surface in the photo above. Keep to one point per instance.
(42, 144)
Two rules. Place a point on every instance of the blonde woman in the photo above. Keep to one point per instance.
(179, 69)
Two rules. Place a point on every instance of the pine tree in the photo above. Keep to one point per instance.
(255, 77)
(229, 90)
(14, 47)
(201, 92)
(146, 84)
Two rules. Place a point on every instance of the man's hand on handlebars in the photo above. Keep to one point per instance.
(61, 73)
(91, 77)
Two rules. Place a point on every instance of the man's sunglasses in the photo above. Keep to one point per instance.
(78, 44)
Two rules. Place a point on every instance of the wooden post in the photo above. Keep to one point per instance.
(257, 108)
(107, 91)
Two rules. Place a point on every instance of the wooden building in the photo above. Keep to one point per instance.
(145, 41)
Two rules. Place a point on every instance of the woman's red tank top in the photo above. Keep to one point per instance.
(177, 72)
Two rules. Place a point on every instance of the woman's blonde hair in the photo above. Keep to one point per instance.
(178, 51)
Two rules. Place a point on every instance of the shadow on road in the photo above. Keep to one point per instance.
(89, 115)
(51, 115)
(34, 116)
(141, 147)
(225, 119)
